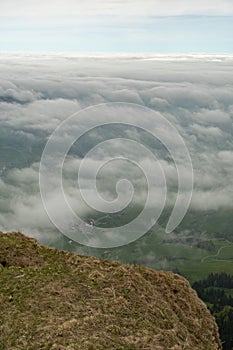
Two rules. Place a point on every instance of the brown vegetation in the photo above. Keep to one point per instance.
(60, 301)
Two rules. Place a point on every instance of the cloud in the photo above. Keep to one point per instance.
(38, 92)
(115, 7)
(10, 93)
(213, 117)
(21, 207)
(210, 132)
(39, 115)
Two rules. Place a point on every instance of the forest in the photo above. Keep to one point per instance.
(217, 292)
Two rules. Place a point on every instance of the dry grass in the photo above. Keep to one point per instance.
(61, 301)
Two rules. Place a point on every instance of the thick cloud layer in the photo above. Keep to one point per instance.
(194, 93)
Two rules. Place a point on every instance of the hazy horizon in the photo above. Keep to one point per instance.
(117, 26)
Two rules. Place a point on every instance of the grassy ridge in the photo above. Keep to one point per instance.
(58, 300)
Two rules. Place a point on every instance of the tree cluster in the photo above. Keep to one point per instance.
(217, 292)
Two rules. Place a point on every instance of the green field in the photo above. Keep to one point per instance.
(193, 254)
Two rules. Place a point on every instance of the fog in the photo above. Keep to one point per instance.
(38, 92)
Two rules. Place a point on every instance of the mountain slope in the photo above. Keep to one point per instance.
(55, 300)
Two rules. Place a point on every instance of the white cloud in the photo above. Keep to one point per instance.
(40, 92)
(209, 117)
(115, 7)
(207, 131)
(212, 200)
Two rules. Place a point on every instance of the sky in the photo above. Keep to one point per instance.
(168, 26)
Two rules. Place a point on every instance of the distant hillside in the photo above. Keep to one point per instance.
(52, 299)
